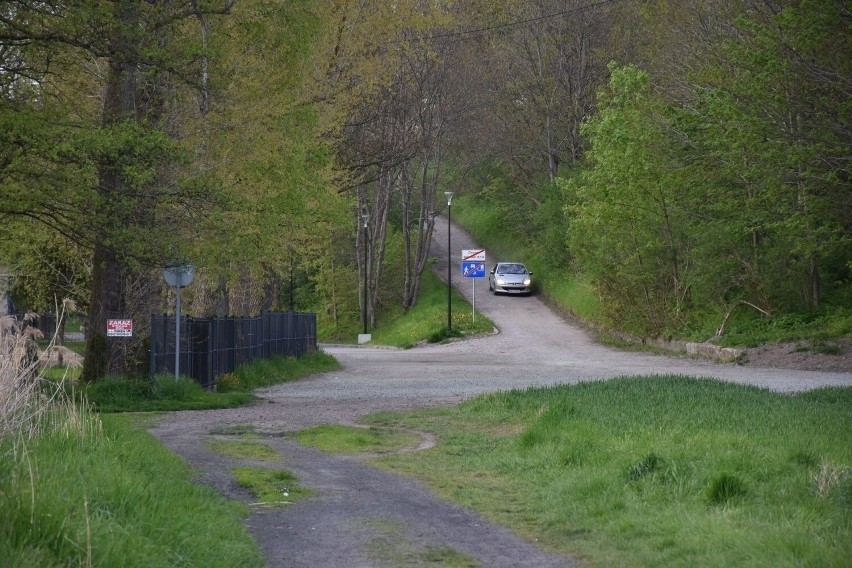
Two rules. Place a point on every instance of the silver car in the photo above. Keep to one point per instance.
(510, 278)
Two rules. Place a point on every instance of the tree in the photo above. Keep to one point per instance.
(629, 227)
(778, 121)
(111, 168)
(396, 110)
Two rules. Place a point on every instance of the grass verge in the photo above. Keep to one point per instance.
(427, 320)
(82, 489)
(651, 471)
(113, 497)
(164, 393)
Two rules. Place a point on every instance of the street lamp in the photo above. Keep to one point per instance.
(449, 195)
(366, 218)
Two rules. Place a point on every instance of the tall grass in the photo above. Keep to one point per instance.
(266, 372)
(21, 400)
(652, 471)
(114, 497)
(427, 320)
(78, 490)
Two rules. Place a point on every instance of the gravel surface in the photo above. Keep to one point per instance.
(355, 504)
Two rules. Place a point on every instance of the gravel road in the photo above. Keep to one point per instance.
(356, 506)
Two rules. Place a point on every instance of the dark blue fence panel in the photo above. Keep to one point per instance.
(45, 323)
(211, 347)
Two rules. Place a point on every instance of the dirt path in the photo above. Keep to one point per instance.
(361, 517)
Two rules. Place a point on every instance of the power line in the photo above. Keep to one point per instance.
(522, 22)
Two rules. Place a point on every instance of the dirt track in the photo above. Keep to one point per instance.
(356, 505)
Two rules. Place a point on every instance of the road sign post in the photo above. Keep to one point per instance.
(473, 267)
(179, 276)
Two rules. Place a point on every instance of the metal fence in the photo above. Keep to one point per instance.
(45, 323)
(211, 347)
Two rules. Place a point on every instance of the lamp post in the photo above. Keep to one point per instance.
(449, 195)
(366, 218)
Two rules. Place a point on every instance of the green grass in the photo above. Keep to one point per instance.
(160, 393)
(60, 372)
(273, 487)
(165, 393)
(102, 492)
(427, 320)
(664, 471)
(113, 497)
(266, 372)
(353, 440)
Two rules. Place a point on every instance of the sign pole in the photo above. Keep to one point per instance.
(178, 275)
(473, 267)
(177, 335)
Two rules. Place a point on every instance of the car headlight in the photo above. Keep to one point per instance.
(500, 282)
(527, 281)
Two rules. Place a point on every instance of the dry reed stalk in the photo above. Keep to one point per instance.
(828, 476)
(29, 403)
(20, 392)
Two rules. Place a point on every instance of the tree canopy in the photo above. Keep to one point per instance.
(682, 156)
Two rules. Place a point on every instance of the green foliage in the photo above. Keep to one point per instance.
(113, 497)
(48, 268)
(685, 205)
(751, 329)
(427, 320)
(627, 229)
(713, 177)
(650, 471)
(279, 218)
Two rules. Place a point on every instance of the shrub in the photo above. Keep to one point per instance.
(228, 382)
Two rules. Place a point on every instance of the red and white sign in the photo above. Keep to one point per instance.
(473, 254)
(119, 328)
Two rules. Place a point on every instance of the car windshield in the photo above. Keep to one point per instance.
(511, 269)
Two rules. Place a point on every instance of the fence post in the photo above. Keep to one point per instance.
(152, 349)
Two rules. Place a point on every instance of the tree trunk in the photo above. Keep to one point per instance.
(109, 273)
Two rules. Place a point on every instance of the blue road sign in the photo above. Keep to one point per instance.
(473, 269)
